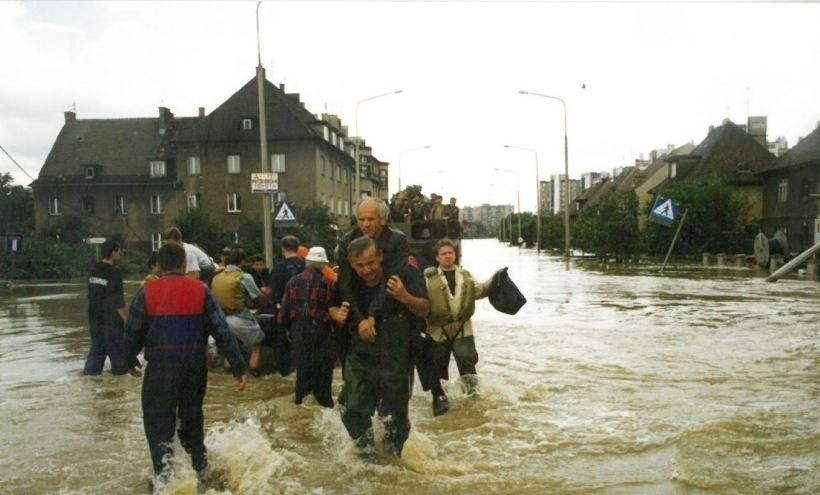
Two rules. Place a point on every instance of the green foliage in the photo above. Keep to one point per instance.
(316, 228)
(609, 228)
(715, 222)
(200, 229)
(67, 228)
(16, 206)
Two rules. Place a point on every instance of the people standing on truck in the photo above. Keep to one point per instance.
(418, 209)
(171, 318)
(106, 313)
(378, 366)
(436, 208)
(452, 292)
(399, 207)
(451, 211)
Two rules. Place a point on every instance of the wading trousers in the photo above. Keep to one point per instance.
(106, 340)
(174, 389)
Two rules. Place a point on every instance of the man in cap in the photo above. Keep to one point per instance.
(309, 307)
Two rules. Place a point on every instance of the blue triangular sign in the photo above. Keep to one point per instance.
(664, 211)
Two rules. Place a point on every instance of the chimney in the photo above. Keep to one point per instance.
(69, 117)
(757, 129)
(282, 87)
(201, 112)
(165, 116)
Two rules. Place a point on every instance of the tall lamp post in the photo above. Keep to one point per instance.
(537, 196)
(518, 197)
(566, 167)
(401, 155)
(267, 231)
(358, 139)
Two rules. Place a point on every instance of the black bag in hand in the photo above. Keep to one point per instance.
(504, 294)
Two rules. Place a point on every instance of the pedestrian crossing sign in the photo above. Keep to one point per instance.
(284, 216)
(664, 211)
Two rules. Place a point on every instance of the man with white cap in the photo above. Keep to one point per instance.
(310, 305)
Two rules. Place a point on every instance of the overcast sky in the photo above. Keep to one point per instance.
(635, 76)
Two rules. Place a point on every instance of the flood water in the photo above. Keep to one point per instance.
(609, 381)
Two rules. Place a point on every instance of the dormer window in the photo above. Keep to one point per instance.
(247, 124)
(157, 168)
(89, 172)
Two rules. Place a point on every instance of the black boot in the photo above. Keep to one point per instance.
(440, 405)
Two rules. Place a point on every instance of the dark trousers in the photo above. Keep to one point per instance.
(463, 349)
(282, 350)
(313, 356)
(171, 390)
(106, 340)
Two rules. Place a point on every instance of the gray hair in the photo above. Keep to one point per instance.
(384, 209)
(359, 245)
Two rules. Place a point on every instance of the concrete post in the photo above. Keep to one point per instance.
(721, 259)
(706, 259)
(811, 269)
(775, 262)
(740, 260)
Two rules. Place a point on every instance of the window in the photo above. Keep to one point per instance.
(156, 241)
(53, 206)
(326, 133)
(233, 164)
(324, 200)
(89, 172)
(88, 204)
(194, 166)
(156, 204)
(194, 201)
(332, 170)
(157, 168)
(120, 205)
(323, 167)
(673, 170)
(333, 138)
(234, 203)
(277, 163)
(782, 190)
(341, 143)
(344, 176)
(247, 124)
(338, 173)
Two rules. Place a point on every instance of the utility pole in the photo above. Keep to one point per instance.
(263, 148)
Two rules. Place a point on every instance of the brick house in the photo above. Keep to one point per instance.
(131, 178)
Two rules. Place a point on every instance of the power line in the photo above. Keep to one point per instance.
(15, 162)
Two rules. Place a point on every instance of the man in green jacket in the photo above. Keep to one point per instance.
(452, 292)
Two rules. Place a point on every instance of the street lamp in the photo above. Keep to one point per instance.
(518, 196)
(358, 138)
(566, 167)
(537, 196)
(401, 155)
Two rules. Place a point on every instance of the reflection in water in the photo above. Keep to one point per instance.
(610, 380)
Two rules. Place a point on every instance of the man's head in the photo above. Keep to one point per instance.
(445, 251)
(290, 244)
(110, 250)
(452, 201)
(316, 258)
(366, 260)
(436, 198)
(173, 234)
(257, 264)
(171, 258)
(237, 257)
(371, 216)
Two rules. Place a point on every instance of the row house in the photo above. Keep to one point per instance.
(132, 178)
(791, 194)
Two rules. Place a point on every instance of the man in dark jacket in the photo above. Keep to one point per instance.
(172, 318)
(377, 368)
(106, 313)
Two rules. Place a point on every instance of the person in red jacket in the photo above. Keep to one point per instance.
(171, 318)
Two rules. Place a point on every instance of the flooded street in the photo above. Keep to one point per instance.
(610, 381)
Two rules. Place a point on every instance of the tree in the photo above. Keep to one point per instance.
(317, 228)
(16, 206)
(609, 228)
(717, 220)
(200, 229)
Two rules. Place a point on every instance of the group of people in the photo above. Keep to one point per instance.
(405, 209)
(381, 318)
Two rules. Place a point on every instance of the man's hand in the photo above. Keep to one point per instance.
(135, 371)
(339, 315)
(241, 382)
(396, 289)
(367, 329)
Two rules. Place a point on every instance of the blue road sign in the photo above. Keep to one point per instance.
(664, 211)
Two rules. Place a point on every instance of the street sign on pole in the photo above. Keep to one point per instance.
(285, 215)
(264, 183)
(664, 211)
